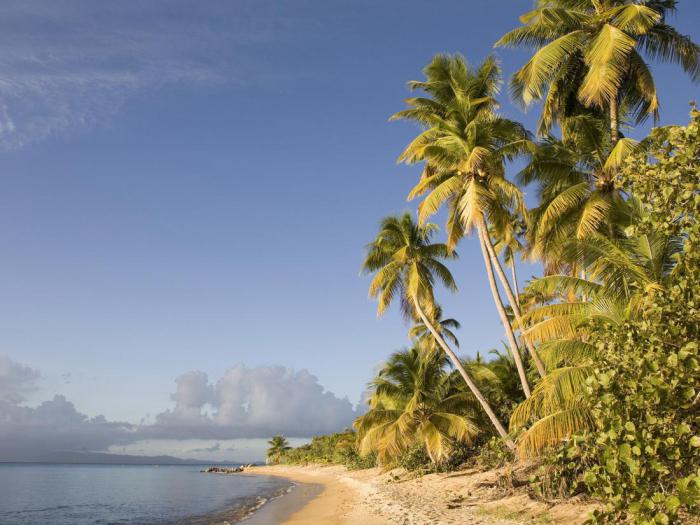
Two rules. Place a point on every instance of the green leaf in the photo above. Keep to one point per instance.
(672, 503)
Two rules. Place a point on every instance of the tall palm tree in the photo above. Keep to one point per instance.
(420, 332)
(622, 272)
(406, 265)
(463, 147)
(589, 53)
(414, 401)
(508, 229)
(278, 446)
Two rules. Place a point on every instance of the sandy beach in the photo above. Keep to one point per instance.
(374, 497)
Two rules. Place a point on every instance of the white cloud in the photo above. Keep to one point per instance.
(55, 425)
(244, 404)
(253, 402)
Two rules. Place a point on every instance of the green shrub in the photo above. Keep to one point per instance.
(493, 454)
(645, 392)
(336, 449)
(561, 473)
(487, 454)
(648, 453)
(414, 459)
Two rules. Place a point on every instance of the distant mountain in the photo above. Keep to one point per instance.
(115, 459)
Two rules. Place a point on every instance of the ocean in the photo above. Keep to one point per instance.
(115, 494)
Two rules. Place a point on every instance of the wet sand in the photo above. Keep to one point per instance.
(280, 509)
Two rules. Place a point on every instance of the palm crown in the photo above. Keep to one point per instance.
(445, 326)
(590, 54)
(576, 185)
(407, 264)
(278, 446)
(463, 144)
(414, 402)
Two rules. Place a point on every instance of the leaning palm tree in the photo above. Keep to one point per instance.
(463, 148)
(508, 229)
(278, 446)
(415, 402)
(622, 273)
(590, 54)
(406, 265)
(421, 334)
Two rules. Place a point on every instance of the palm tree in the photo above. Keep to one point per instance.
(589, 54)
(278, 446)
(622, 273)
(414, 401)
(508, 229)
(464, 145)
(577, 189)
(420, 332)
(406, 265)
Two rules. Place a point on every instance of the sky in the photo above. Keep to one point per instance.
(186, 189)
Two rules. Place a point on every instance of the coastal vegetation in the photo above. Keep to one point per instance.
(278, 447)
(599, 377)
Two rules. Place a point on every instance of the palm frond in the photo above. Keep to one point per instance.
(607, 62)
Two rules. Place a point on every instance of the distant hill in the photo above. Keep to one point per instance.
(98, 458)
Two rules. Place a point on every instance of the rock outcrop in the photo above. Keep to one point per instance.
(225, 470)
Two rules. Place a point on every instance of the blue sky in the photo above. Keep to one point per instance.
(188, 186)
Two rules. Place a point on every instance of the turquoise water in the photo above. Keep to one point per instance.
(113, 494)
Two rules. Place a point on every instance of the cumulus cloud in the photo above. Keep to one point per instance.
(192, 392)
(245, 403)
(253, 402)
(55, 425)
(30, 432)
(67, 65)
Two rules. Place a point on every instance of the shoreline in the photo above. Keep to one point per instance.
(376, 497)
(326, 496)
(281, 508)
(244, 508)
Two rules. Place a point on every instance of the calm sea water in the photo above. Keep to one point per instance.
(82, 494)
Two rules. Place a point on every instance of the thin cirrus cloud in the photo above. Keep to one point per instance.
(70, 65)
(244, 403)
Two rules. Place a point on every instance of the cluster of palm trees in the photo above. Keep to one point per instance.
(589, 72)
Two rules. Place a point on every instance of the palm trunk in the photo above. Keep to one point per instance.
(614, 121)
(465, 375)
(516, 291)
(502, 311)
(514, 301)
